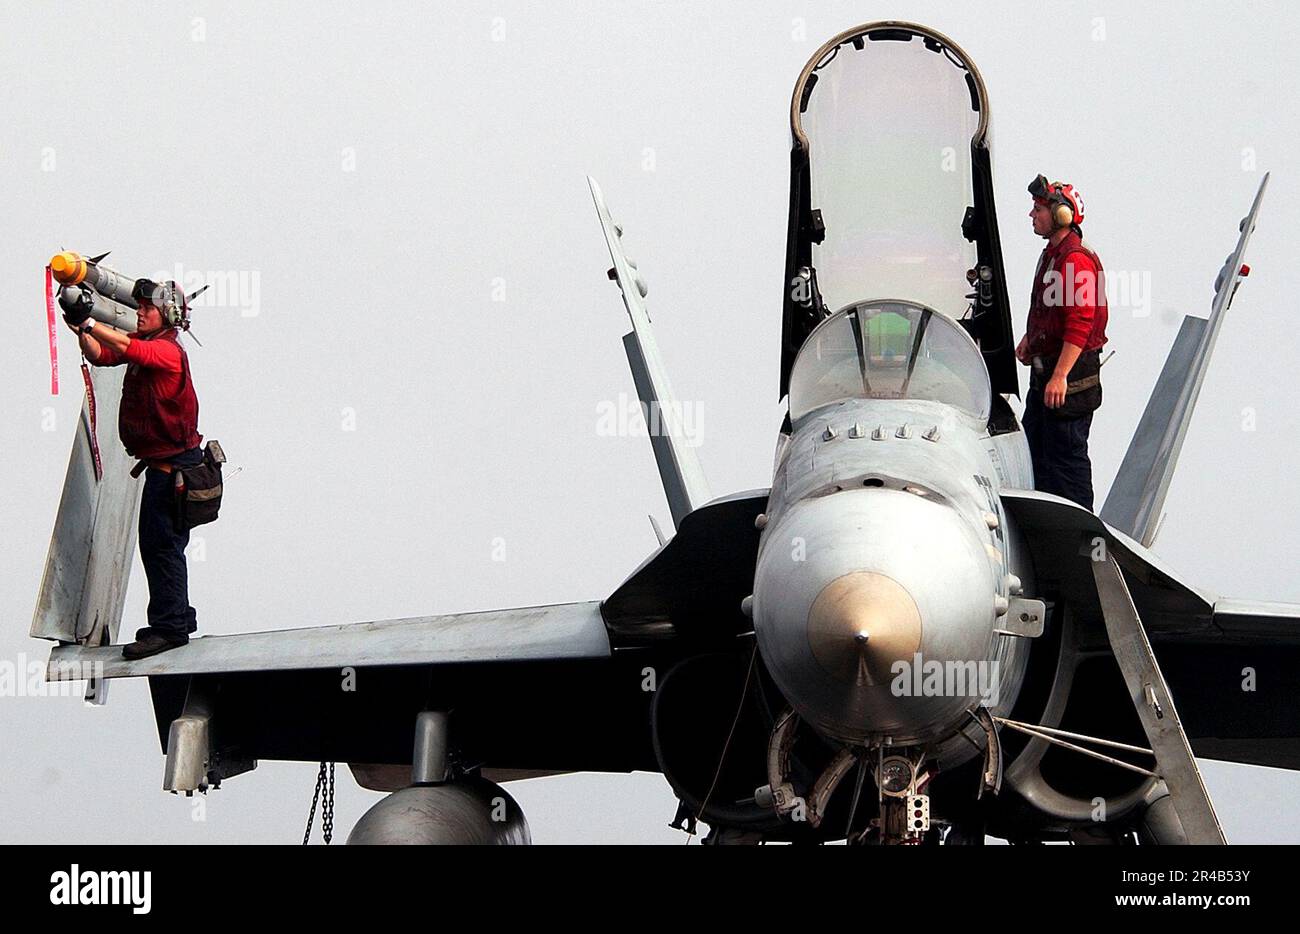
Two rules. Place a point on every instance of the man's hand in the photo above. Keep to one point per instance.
(76, 315)
(1054, 392)
(1022, 350)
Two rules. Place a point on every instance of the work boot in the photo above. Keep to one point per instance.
(151, 643)
(145, 630)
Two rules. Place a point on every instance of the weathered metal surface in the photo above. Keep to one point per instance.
(557, 631)
(93, 545)
(1155, 706)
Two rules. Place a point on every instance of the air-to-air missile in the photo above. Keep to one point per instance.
(84, 281)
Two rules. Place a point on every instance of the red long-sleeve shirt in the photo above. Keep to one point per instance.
(155, 354)
(1068, 301)
(159, 413)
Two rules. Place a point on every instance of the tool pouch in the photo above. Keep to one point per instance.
(199, 489)
(1082, 386)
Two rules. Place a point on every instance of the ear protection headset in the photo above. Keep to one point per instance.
(1062, 214)
(168, 298)
(1065, 203)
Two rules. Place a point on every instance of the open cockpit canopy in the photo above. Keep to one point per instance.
(891, 188)
(889, 122)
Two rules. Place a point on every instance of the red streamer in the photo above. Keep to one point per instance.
(54, 332)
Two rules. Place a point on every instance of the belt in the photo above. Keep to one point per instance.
(1080, 385)
(164, 466)
(1071, 387)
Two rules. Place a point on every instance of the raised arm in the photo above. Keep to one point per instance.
(101, 344)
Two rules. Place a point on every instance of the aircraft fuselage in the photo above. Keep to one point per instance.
(886, 549)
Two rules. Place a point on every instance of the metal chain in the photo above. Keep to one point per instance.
(323, 780)
(327, 813)
(311, 815)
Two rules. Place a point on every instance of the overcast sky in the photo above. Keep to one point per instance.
(413, 363)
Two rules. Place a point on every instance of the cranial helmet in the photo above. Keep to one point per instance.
(1065, 202)
(168, 298)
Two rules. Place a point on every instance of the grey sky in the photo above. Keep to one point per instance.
(400, 192)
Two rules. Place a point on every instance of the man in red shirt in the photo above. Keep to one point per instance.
(158, 423)
(1062, 344)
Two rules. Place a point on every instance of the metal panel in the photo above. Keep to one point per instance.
(1206, 645)
(1142, 482)
(1155, 706)
(91, 549)
(1056, 528)
(1255, 619)
(536, 633)
(676, 487)
(693, 586)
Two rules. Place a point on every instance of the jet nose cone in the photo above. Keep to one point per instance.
(860, 624)
(857, 591)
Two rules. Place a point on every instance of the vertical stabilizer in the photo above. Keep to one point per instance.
(1137, 497)
(91, 550)
(679, 468)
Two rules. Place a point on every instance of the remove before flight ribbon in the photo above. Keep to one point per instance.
(85, 374)
(54, 332)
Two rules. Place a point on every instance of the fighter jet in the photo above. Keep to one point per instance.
(898, 642)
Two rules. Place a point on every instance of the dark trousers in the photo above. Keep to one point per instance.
(1059, 449)
(162, 550)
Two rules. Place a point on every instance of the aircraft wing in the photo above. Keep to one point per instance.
(531, 690)
(1231, 665)
(563, 631)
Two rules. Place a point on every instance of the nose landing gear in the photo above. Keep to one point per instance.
(902, 812)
